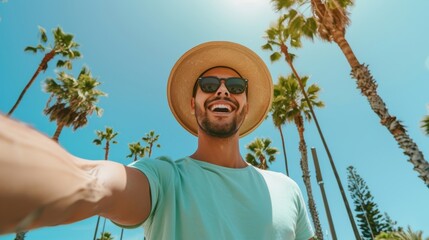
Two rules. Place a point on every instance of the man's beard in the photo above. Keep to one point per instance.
(215, 129)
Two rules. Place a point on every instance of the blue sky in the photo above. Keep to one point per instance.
(130, 46)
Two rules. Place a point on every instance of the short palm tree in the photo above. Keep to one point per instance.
(401, 235)
(136, 151)
(75, 100)
(20, 235)
(106, 136)
(261, 153)
(63, 45)
(151, 138)
(288, 97)
(106, 236)
(332, 18)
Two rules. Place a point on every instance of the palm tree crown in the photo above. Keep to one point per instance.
(63, 45)
(75, 99)
(108, 135)
(260, 153)
(137, 151)
(151, 138)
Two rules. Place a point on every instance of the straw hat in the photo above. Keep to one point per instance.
(211, 54)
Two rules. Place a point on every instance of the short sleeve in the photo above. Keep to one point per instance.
(303, 227)
(159, 173)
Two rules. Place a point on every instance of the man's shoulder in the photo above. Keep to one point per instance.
(277, 177)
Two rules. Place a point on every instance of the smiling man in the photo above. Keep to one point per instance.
(218, 91)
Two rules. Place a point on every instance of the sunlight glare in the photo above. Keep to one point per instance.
(253, 4)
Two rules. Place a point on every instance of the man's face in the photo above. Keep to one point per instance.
(220, 114)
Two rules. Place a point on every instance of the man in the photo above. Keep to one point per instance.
(218, 91)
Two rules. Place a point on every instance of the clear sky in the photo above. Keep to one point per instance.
(130, 46)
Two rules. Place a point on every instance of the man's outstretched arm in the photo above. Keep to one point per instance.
(41, 184)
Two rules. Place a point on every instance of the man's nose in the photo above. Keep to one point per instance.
(222, 90)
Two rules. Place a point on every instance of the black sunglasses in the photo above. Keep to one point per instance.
(235, 85)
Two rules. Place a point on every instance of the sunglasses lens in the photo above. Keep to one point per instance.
(209, 84)
(236, 85)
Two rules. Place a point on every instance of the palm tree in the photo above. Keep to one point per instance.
(108, 135)
(332, 19)
(63, 45)
(260, 152)
(136, 151)
(150, 139)
(401, 235)
(106, 236)
(20, 235)
(75, 100)
(279, 119)
(287, 96)
(291, 32)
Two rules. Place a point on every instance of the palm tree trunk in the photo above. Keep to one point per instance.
(367, 85)
(104, 226)
(150, 149)
(345, 48)
(262, 163)
(368, 88)
(122, 233)
(57, 133)
(96, 228)
(20, 235)
(322, 190)
(284, 150)
(306, 177)
(42, 66)
(106, 154)
(325, 145)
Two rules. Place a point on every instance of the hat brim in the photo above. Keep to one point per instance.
(220, 53)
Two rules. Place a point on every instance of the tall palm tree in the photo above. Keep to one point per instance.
(75, 100)
(63, 45)
(287, 95)
(279, 119)
(150, 139)
(260, 153)
(108, 135)
(290, 28)
(332, 19)
(136, 151)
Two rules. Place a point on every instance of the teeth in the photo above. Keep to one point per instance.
(220, 106)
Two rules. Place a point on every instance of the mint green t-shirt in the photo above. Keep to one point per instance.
(192, 199)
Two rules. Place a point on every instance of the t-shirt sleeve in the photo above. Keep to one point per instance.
(159, 173)
(303, 227)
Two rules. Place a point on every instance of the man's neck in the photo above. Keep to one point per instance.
(219, 151)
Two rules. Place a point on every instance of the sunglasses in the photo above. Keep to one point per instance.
(235, 85)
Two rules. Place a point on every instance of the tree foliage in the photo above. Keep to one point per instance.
(72, 100)
(261, 153)
(401, 235)
(371, 221)
(151, 138)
